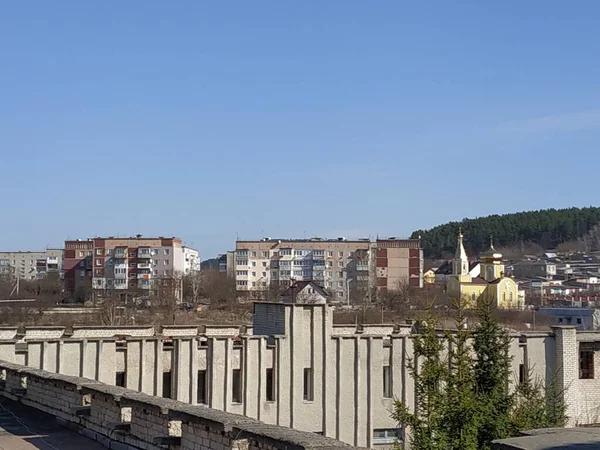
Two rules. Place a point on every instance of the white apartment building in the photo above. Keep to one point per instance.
(31, 265)
(339, 265)
(191, 260)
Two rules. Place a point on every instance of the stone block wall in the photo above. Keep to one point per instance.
(117, 416)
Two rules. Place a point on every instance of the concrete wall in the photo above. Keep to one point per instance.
(121, 418)
(344, 366)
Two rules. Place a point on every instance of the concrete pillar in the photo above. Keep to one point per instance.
(567, 365)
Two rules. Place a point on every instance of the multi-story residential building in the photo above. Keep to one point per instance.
(341, 266)
(191, 260)
(399, 261)
(117, 265)
(534, 269)
(31, 265)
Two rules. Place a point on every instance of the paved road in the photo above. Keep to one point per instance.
(23, 428)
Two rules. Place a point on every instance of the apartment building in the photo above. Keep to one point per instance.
(191, 260)
(399, 261)
(31, 265)
(343, 267)
(112, 266)
(339, 265)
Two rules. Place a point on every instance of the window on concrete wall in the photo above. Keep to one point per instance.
(166, 389)
(308, 385)
(522, 373)
(120, 379)
(586, 363)
(387, 436)
(202, 388)
(236, 388)
(270, 379)
(387, 382)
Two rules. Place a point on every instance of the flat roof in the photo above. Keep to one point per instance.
(584, 438)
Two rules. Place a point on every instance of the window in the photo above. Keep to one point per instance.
(473, 296)
(166, 251)
(253, 274)
(265, 254)
(201, 398)
(98, 262)
(329, 284)
(318, 252)
(286, 273)
(340, 284)
(340, 264)
(341, 254)
(120, 379)
(285, 251)
(297, 273)
(242, 262)
(99, 251)
(586, 364)
(166, 388)
(274, 273)
(254, 284)
(242, 283)
(166, 262)
(298, 252)
(330, 254)
(254, 254)
(242, 252)
(155, 261)
(236, 388)
(330, 273)
(270, 386)
(264, 264)
(560, 320)
(386, 435)
(329, 264)
(264, 274)
(579, 321)
(522, 374)
(340, 274)
(339, 294)
(308, 385)
(241, 273)
(253, 263)
(387, 382)
(510, 296)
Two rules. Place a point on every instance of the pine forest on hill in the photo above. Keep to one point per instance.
(547, 228)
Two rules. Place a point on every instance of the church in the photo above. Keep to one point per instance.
(490, 283)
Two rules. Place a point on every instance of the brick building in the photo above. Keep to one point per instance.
(399, 261)
(105, 267)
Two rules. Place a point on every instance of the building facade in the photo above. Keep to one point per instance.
(115, 266)
(294, 367)
(534, 269)
(191, 260)
(31, 265)
(341, 266)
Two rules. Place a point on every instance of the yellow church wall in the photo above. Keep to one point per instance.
(507, 294)
(471, 292)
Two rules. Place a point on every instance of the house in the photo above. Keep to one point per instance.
(583, 318)
(429, 276)
(305, 292)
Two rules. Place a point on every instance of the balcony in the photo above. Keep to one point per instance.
(143, 276)
(144, 265)
(120, 255)
(141, 255)
(362, 267)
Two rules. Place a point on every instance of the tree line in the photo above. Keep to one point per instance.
(463, 395)
(547, 228)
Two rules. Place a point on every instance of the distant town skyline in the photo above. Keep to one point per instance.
(207, 121)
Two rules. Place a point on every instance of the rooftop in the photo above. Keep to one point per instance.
(553, 439)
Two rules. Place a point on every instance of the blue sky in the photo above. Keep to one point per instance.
(211, 120)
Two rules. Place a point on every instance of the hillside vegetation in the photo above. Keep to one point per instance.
(547, 228)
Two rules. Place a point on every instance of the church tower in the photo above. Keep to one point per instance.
(460, 263)
(492, 264)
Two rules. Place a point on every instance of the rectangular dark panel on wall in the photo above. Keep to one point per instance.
(414, 253)
(413, 271)
(381, 282)
(414, 262)
(413, 282)
(69, 253)
(382, 252)
(382, 262)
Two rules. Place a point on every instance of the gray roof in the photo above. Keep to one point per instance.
(553, 439)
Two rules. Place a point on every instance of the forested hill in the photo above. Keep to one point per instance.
(548, 228)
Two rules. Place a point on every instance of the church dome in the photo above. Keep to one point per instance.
(491, 254)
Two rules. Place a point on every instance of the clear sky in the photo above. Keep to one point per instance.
(211, 120)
